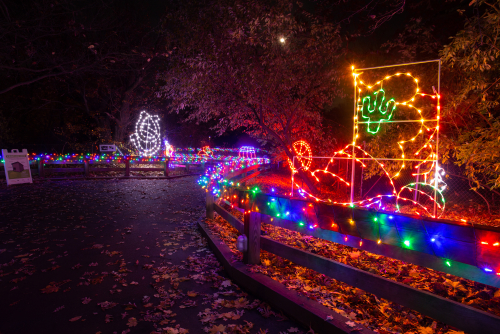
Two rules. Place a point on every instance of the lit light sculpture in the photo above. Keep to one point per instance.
(247, 152)
(303, 155)
(206, 152)
(374, 109)
(384, 112)
(169, 149)
(146, 138)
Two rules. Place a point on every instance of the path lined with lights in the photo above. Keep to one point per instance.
(480, 250)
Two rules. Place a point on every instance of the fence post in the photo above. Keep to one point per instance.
(166, 171)
(40, 168)
(86, 168)
(210, 206)
(252, 222)
(127, 167)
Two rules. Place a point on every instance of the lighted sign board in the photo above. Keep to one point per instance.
(107, 148)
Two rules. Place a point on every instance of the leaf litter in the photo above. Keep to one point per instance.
(83, 230)
(360, 307)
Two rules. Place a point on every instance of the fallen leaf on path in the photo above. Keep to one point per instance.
(217, 329)
(107, 305)
(354, 255)
(425, 330)
(132, 322)
(50, 288)
(59, 308)
(194, 294)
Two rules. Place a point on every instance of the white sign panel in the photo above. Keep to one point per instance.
(17, 167)
(107, 148)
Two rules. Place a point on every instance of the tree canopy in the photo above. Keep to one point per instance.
(269, 68)
(83, 67)
(472, 108)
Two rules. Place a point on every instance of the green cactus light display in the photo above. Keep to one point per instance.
(377, 111)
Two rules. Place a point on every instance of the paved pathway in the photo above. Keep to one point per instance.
(116, 256)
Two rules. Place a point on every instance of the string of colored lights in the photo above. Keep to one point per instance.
(304, 214)
(216, 178)
(219, 149)
(217, 182)
(114, 158)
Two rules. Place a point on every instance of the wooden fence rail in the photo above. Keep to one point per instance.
(88, 167)
(471, 251)
(458, 315)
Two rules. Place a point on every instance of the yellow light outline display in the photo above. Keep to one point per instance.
(430, 160)
(301, 147)
(206, 152)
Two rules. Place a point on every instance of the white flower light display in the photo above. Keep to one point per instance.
(147, 134)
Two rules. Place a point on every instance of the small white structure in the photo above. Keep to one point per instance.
(107, 148)
(247, 152)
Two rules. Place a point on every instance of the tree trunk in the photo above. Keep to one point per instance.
(125, 117)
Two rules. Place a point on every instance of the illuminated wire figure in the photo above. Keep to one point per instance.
(206, 152)
(375, 112)
(146, 138)
(304, 156)
(169, 149)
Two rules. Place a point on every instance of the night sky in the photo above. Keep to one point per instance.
(50, 114)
